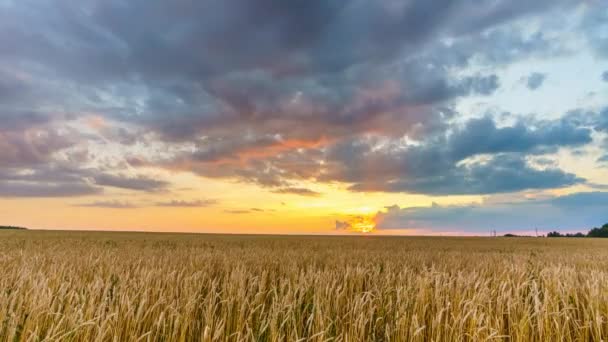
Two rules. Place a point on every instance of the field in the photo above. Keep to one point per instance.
(78, 286)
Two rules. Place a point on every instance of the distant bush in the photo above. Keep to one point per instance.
(515, 235)
(12, 228)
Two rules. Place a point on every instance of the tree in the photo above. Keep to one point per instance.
(599, 232)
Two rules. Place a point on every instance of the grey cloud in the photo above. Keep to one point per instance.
(11, 189)
(149, 39)
(108, 204)
(29, 166)
(210, 150)
(594, 26)
(265, 91)
(57, 178)
(483, 136)
(487, 13)
(605, 76)
(156, 78)
(580, 211)
(139, 183)
(31, 147)
(601, 120)
(503, 173)
(440, 165)
(484, 85)
(15, 120)
(535, 80)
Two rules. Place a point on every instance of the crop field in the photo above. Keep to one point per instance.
(85, 286)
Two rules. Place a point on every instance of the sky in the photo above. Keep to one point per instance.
(415, 117)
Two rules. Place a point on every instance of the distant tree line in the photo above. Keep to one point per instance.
(11, 227)
(595, 232)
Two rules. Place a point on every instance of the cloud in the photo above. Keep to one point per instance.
(535, 80)
(297, 191)
(187, 204)
(139, 183)
(108, 204)
(447, 158)
(33, 189)
(173, 204)
(594, 26)
(45, 180)
(26, 147)
(503, 173)
(237, 211)
(293, 39)
(476, 158)
(482, 136)
(605, 76)
(601, 121)
(277, 93)
(579, 211)
(342, 225)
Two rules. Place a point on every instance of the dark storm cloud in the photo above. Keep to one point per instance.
(152, 39)
(271, 92)
(535, 80)
(580, 211)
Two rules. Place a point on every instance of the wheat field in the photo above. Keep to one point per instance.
(83, 286)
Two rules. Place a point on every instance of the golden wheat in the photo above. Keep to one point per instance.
(76, 286)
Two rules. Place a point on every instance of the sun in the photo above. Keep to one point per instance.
(364, 227)
(362, 224)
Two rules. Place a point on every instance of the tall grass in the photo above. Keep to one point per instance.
(62, 286)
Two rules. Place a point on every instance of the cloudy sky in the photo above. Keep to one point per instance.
(304, 116)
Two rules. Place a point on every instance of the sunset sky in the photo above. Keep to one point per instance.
(304, 116)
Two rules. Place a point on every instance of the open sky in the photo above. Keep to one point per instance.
(304, 116)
